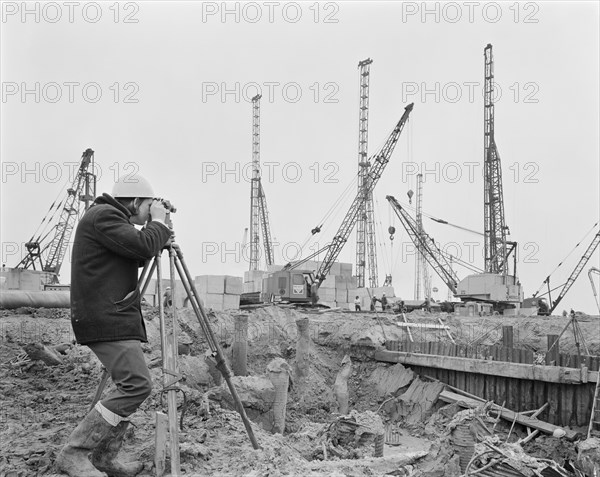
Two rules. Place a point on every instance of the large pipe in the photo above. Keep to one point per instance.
(10, 299)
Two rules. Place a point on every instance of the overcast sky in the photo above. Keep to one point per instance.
(164, 89)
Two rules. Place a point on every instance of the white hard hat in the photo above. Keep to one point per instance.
(130, 186)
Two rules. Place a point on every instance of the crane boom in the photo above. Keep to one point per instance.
(495, 229)
(575, 273)
(255, 184)
(365, 227)
(264, 221)
(82, 189)
(425, 243)
(379, 161)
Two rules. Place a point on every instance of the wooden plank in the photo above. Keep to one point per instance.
(567, 397)
(435, 349)
(160, 443)
(553, 390)
(580, 404)
(516, 383)
(422, 326)
(501, 382)
(526, 386)
(469, 377)
(587, 397)
(507, 336)
(508, 414)
(451, 373)
(552, 374)
(490, 381)
(553, 351)
(480, 380)
(460, 376)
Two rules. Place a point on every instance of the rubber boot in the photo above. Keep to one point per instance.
(104, 456)
(73, 458)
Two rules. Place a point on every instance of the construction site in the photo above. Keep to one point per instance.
(317, 366)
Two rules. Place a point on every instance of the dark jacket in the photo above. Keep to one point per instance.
(107, 252)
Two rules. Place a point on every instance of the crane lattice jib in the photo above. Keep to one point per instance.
(424, 242)
(420, 257)
(364, 227)
(582, 262)
(493, 210)
(69, 215)
(371, 242)
(264, 220)
(255, 184)
(378, 161)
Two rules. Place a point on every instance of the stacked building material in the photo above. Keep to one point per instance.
(219, 292)
(253, 280)
(151, 294)
(337, 290)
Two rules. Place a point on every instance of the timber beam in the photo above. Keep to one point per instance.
(550, 374)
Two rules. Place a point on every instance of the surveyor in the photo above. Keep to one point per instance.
(106, 316)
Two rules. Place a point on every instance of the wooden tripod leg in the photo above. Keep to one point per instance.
(169, 365)
(101, 387)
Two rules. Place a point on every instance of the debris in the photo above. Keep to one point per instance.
(588, 456)
(38, 351)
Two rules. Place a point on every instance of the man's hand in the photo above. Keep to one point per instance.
(158, 211)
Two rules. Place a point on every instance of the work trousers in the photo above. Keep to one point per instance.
(124, 361)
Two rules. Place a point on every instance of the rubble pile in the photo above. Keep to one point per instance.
(390, 422)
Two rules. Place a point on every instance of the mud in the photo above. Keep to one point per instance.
(41, 404)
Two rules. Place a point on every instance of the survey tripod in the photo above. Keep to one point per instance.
(169, 348)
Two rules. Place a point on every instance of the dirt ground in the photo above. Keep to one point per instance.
(41, 404)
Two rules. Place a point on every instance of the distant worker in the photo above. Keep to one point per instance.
(167, 298)
(374, 301)
(106, 316)
(572, 314)
(357, 304)
(314, 293)
(384, 302)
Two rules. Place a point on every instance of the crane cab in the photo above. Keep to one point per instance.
(288, 285)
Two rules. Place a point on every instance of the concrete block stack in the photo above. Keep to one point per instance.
(219, 292)
(151, 295)
(253, 280)
(339, 288)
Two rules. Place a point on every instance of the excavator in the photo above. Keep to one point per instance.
(296, 285)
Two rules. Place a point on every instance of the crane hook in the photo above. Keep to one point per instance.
(392, 231)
